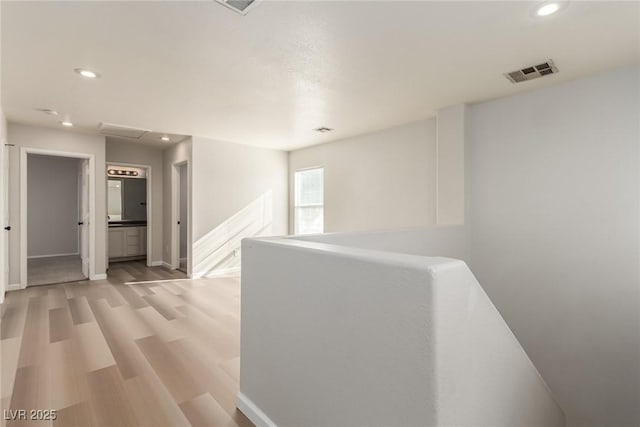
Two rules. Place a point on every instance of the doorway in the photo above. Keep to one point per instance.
(4, 218)
(57, 218)
(181, 216)
(66, 216)
(129, 212)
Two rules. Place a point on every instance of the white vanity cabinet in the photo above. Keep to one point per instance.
(126, 242)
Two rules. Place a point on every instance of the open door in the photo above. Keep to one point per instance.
(83, 222)
(4, 215)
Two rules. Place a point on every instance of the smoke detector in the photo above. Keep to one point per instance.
(240, 6)
(323, 129)
(532, 72)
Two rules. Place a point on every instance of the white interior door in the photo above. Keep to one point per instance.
(4, 215)
(83, 222)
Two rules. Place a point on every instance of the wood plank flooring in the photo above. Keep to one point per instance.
(146, 347)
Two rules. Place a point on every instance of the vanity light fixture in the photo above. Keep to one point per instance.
(86, 73)
(66, 123)
(165, 138)
(121, 172)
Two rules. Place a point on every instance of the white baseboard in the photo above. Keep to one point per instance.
(102, 276)
(1, 297)
(251, 411)
(183, 259)
(15, 287)
(157, 263)
(52, 255)
(167, 265)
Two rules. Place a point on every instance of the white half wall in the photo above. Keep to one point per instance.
(238, 191)
(377, 181)
(57, 140)
(123, 151)
(555, 235)
(340, 336)
(52, 204)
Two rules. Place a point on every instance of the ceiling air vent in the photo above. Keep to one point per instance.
(110, 129)
(532, 72)
(240, 6)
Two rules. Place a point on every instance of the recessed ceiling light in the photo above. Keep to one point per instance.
(165, 138)
(323, 129)
(86, 73)
(548, 8)
(66, 123)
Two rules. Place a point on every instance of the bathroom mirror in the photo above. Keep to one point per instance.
(127, 199)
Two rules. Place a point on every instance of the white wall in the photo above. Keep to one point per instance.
(175, 154)
(446, 241)
(60, 140)
(337, 336)
(382, 180)
(555, 222)
(237, 191)
(450, 192)
(119, 151)
(52, 204)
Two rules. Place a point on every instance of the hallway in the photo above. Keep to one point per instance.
(146, 347)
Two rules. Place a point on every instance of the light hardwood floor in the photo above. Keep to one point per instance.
(160, 352)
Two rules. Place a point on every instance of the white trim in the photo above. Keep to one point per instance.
(98, 277)
(175, 215)
(4, 210)
(149, 179)
(24, 152)
(156, 263)
(167, 265)
(251, 411)
(15, 287)
(1, 296)
(52, 255)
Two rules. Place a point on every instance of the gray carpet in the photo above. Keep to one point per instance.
(58, 269)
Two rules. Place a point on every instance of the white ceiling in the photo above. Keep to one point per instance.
(270, 77)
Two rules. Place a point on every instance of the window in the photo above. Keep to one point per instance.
(309, 201)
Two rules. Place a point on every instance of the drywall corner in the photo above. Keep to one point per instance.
(251, 411)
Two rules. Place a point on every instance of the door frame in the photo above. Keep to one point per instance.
(24, 152)
(82, 231)
(175, 216)
(4, 218)
(149, 208)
